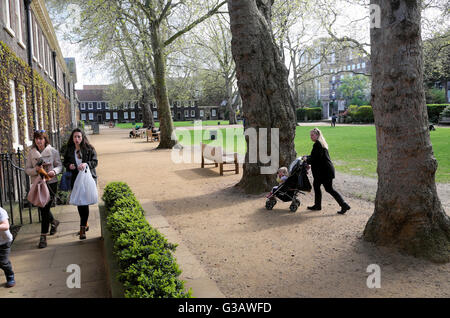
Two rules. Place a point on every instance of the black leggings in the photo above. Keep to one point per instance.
(328, 185)
(46, 215)
(83, 211)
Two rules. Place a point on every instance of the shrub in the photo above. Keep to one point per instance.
(434, 110)
(313, 113)
(147, 267)
(301, 112)
(445, 112)
(365, 114)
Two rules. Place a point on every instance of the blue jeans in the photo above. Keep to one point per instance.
(5, 264)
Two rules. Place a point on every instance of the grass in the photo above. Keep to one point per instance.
(353, 149)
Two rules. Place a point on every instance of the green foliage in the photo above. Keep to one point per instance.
(446, 112)
(434, 110)
(355, 89)
(435, 96)
(147, 267)
(301, 112)
(313, 113)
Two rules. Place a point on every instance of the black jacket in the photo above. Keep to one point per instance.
(89, 156)
(321, 166)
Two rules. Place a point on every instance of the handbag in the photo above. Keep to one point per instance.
(39, 195)
(84, 190)
(66, 179)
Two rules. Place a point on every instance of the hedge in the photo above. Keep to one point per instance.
(147, 267)
(434, 110)
(313, 113)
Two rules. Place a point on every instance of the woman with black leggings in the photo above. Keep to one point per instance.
(79, 154)
(44, 159)
(323, 172)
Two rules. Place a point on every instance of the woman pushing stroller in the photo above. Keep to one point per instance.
(323, 172)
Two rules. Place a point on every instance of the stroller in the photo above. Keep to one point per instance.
(296, 183)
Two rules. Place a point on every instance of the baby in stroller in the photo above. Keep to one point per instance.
(292, 184)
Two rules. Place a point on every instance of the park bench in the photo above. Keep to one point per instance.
(153, 135)
(219, 158)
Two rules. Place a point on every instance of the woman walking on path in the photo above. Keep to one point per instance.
(43, 155)
(323, 172)
(79, 154)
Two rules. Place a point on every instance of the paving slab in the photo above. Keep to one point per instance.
(43, 273)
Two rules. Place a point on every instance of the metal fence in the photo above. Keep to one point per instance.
(14, 187)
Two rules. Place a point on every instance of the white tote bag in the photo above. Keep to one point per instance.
(84, 190)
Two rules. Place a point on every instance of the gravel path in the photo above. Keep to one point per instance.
(252, 252)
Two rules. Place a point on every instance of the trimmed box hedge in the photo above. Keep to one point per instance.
(147, 267)
(434, 110)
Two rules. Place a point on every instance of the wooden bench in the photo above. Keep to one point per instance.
(153, 136)
(219, 158)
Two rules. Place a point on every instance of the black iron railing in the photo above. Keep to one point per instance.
(14, 187)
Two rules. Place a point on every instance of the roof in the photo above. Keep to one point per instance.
(89, 95)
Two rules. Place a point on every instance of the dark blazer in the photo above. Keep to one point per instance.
(321, 166)
(89, 156)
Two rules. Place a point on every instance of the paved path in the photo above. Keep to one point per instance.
(42, 273)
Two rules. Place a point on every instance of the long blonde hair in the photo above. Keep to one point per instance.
(320, 138)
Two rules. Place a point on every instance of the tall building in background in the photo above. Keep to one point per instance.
(326, 64)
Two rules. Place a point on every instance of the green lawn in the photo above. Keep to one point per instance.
(178, 124)
(352, 148)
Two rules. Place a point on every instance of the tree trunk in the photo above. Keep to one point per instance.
(147, 115)
(408, 213)
(231, 110)
(162, 99)
(263, 85)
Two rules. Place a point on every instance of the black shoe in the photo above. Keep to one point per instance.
(54, 227)
(344, 209)
(314, 208)
(43, 241)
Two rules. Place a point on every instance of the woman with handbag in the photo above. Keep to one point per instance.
(80, 154)
(44, 160)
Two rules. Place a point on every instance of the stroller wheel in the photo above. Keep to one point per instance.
(293, 207)
(270, 203)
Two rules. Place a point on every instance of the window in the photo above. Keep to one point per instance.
(83, 116)
(90, 107)
(101, 105)
(133, 115)
(44, 55)
(106, 105)
(125, 115)
(8, 20)
(36, 40)
(353, 67)
(155, 114)
(133, 104)
(192, 113)
(186, 113)
(213, 112)
(19, 23)
(91, 116)
(154, 104)
(363, 65)
(115, 115)
(82, 106)
(202, 113)
(96, 105)
(108, 116)
(14, 124)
